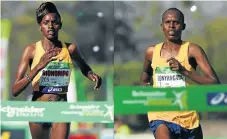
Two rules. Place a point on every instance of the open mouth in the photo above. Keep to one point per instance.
(51, 32)
(172, 33)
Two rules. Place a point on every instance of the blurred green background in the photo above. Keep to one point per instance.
(112, 37)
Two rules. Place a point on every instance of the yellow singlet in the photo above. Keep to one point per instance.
(163, 77)
(55, 77)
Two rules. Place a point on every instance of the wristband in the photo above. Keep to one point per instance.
(26, 75)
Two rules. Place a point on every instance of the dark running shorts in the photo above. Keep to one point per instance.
(178, 132)
(44, 124)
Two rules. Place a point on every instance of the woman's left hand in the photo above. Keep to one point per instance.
(95, 78)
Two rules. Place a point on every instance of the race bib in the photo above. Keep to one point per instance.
(55, 78)
(165, 77)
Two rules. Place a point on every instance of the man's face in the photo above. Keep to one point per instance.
(172, 25)
(50, 26)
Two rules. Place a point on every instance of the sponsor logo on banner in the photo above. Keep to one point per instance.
(157, 98)
(101, 112)
(217, 98)
(109, 111)
(24, 111)
(180, 99)
(91, 110)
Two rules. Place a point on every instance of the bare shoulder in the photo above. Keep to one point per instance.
(193, 46)
(30, 47)
(195, 49)
(72, 48)
(29, 50)
(149, 51)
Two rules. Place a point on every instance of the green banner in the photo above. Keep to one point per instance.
(96, 112)
(141, 99)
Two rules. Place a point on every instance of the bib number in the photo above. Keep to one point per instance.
(55, 78)
(165, 77)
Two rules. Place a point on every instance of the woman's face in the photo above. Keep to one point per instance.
(50, 25)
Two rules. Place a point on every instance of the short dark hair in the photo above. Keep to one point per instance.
(174, 9)
(45, 8)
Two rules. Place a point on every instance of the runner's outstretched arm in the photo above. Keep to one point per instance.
(84, 67)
